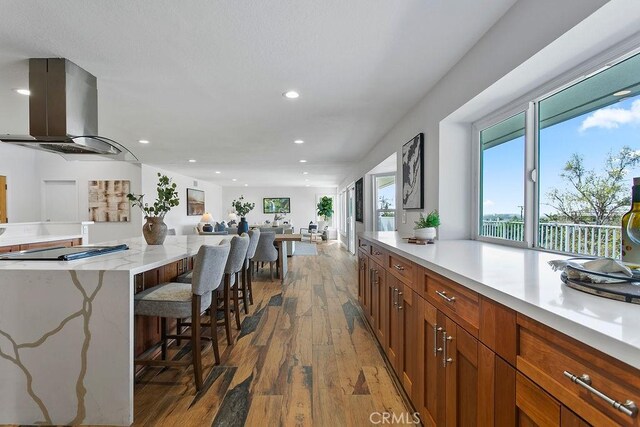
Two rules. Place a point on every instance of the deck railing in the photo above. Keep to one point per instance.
(586, 239)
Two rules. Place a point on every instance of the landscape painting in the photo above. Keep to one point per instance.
(195, 202)
(413, 173)
(108, 201)
(274, 205)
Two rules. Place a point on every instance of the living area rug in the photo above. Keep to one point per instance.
(304, 248)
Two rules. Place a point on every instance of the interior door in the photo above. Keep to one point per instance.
(60, 201)
(3, 199)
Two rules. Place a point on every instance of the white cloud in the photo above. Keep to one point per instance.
(611, 118)
(488, 203)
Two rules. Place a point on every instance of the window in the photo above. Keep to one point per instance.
(385, 202)
(584, 150)
(502, 179)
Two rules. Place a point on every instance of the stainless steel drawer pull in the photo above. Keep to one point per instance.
(445, 359)
(444, 296)
(436, 349)
(395, 298)
(399, 306)
(398, 267)
(629, 407)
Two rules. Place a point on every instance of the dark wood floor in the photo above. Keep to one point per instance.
(304, 356)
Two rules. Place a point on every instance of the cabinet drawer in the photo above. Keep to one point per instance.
(548, 357)
(363, 244)
(403, 269)
(379, 254)
(456, 301)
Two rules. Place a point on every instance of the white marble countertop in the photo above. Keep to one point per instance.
(522, 280)
(23, 240)
(140, 256)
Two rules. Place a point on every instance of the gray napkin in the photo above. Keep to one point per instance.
(574, 269)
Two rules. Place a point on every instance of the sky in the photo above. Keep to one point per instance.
(592, 135)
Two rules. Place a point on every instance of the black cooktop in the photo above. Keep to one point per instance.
(62, 253)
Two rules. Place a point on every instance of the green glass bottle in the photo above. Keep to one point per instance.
(631, 229)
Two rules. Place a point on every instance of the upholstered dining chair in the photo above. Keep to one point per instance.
(183, 300)
(235, 263)
(247, 294)
(266, 251)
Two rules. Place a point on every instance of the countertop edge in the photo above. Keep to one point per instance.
(613, 347)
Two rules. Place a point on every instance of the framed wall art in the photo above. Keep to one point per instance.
(273, 205)
(413, 173)
(195, 202)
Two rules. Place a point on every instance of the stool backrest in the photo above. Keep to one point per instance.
(208, 267)
(265, 249)
(254, 236)
(237, 253)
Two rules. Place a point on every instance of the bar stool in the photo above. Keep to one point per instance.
(182, 300)
(266, 252)
(235, 262)
(247, 288)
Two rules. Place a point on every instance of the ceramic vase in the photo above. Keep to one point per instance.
(154, 230)
(243, 226)
(428, 233)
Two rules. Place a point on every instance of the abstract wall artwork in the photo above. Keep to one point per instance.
(108, 201)
(195, 202)
(272, 205)
(360, 200)
(413, 173)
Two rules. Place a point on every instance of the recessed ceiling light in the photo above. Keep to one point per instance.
(25, 92)
(303, 161)
(192, 160)
(305, 173)
(246, 185)
(298, 141)
(234, 180)
(143, 141)
(622, 93)
(291, 94)
(218, 172)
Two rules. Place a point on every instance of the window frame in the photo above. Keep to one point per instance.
(529, 103)
(376, 211)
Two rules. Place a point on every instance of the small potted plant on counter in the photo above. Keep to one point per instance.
(242, 209)
(155, 230)
(425, 228)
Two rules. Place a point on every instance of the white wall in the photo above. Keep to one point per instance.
(54, 167)
(526, 29)
(177, 218)
(303, 202)
(23, 183)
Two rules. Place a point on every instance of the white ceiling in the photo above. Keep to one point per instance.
(204, 79)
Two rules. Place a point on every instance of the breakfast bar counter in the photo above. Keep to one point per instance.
(67, 333)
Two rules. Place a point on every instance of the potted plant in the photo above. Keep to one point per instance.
(325, 210)
(242, 208)
(155, 230)
(426, 226)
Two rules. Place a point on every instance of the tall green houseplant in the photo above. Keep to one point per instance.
(325, 208)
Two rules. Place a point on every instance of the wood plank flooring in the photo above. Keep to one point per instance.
(303, 357)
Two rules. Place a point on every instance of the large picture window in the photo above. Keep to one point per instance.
(585, 148)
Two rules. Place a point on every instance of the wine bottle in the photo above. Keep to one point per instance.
(631, 229)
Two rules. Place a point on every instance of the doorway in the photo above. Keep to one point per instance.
(3, 200)
(351, 219)
(59, 201)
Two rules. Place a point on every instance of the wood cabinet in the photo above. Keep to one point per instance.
(41, 245)
(465, 360)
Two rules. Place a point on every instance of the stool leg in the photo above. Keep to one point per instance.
(227, 309)
(245, 297)
(196, 350)
(163, 337)
(249, 282)
(214, 330)
(178, 331)
(236, 302)
(271, 269)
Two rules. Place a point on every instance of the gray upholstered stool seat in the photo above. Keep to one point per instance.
(168, 300)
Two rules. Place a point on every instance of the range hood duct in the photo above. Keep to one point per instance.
(63, 114)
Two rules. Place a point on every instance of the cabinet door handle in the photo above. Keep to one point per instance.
(628, 408)
(398, 267)
(377, 253)
(436, 349)
(445, 359)
(443, 295)
(394, 298)
(399, 306)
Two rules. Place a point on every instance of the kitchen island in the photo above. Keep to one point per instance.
(67, 332)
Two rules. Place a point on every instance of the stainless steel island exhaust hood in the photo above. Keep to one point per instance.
(63, 114)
